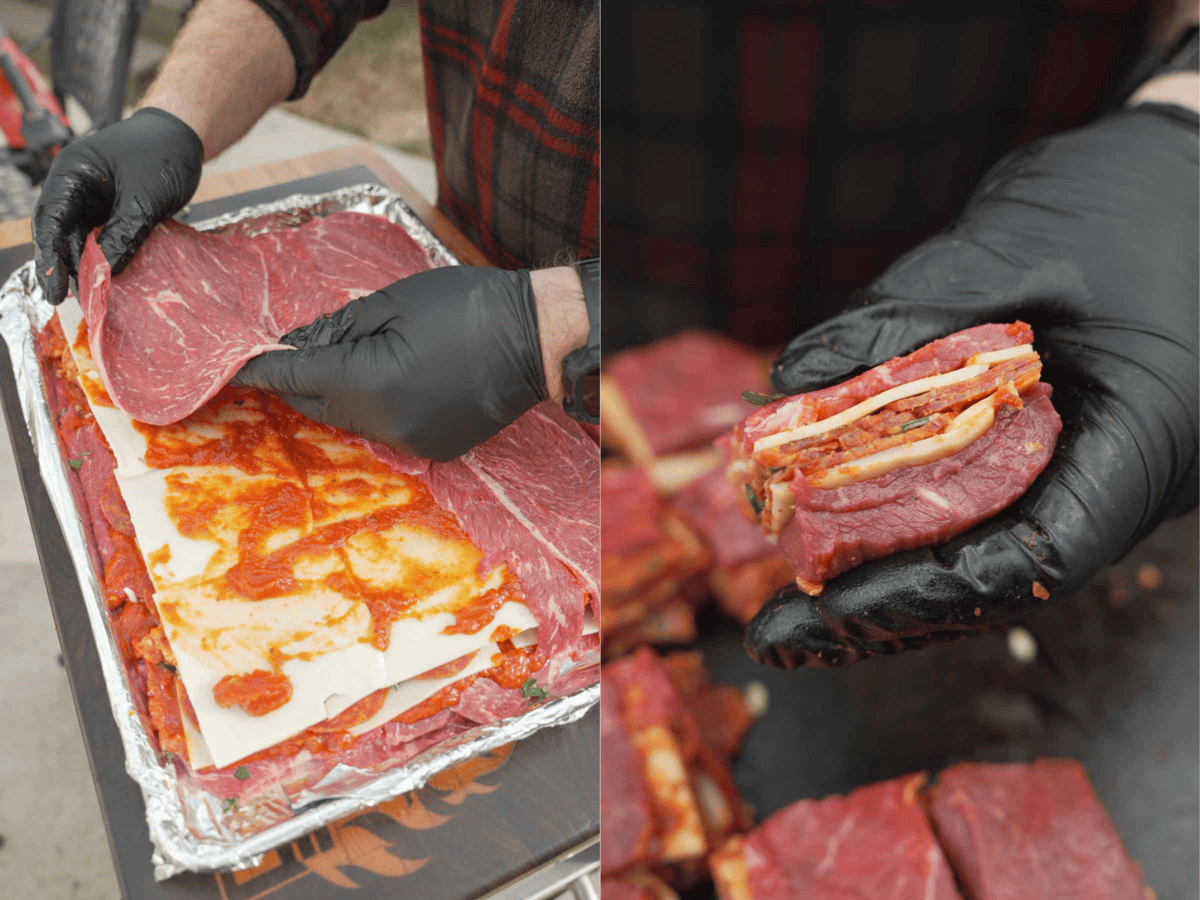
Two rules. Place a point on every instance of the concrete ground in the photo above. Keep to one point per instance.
(52, 840)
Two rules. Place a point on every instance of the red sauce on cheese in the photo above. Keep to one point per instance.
(258, 692)
(474, 617)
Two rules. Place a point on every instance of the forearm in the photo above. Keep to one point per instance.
(562, 320)
(228, 66)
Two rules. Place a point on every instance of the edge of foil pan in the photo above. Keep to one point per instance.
(176, 848)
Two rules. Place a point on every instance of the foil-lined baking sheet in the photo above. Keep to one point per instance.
(191, 829)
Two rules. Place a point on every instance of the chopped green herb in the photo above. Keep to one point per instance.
(165, 666)
(76, 464)
(755, 503)
(229, 805)
(167, 757)
(241, 773)
(915, 423)
(761, 399)
(531, 690)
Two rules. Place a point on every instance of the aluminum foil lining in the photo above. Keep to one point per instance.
(186, 828)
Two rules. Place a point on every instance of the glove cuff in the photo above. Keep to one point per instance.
(182, 131)
(581, 367)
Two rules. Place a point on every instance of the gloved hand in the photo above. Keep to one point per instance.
(432, 365)
(1091, 237)
(127, 178)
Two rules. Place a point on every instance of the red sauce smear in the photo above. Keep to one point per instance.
(267, 444)
(95, 390)
(258, 692)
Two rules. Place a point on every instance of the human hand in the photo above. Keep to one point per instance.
(126, 178)
(431, 365)
(1091, 237)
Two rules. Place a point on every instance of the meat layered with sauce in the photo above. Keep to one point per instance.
(285, 509)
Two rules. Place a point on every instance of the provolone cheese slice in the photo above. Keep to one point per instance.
(991, 357)
(868, 406)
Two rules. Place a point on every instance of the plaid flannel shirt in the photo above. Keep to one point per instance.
(513, 98)
(763, 161)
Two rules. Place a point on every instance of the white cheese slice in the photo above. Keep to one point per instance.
(963, 431)
(326, 634)
(868, 406)
(401, 697)
(992, 357)
(351, 672)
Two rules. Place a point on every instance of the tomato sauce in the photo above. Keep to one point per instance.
(258, 692)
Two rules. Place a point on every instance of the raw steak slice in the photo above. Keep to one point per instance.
(529, 496)
(873, 844)
(192, 307)
(1017, 831)
(835, 530)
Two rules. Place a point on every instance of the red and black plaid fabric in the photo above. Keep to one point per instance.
(513, 96)
(315, 29)
(763, 161)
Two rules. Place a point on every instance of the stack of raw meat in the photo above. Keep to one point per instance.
(673, 533)
(668, 796)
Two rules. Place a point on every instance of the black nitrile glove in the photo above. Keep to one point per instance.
(432, 365)
(1091, 237)
(127, 177)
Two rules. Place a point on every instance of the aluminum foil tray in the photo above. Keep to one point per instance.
(190, 829)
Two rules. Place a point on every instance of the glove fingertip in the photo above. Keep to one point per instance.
(54, 287)
(774, 630)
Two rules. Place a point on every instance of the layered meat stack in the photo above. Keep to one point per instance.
(668, 796)
(906, 455)
(673, 532)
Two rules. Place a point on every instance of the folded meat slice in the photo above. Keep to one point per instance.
(906, 455)
(1018, 830)
(192, 307)
(873, 844)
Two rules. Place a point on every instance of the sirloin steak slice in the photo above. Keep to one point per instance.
(1014, 831)
(191, 307)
